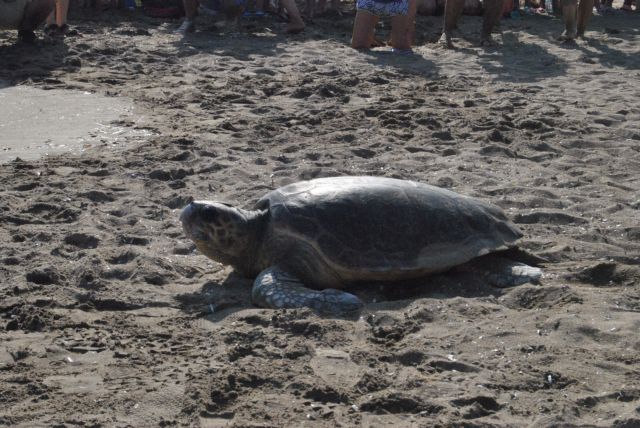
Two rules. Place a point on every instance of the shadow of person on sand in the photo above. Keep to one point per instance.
(264, 41)
(514, 58)
(510, 59)
(35, 62)
(517, 61)
(208, 42)
(413, 63)
(607, 56)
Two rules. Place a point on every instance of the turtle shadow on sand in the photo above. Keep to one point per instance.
(458, 282)
(217, 300)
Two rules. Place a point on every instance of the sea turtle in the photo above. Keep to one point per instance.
(328, 232)
(24, 16)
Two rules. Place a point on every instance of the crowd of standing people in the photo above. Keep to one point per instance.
(26, 15)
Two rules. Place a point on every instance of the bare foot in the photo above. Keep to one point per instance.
(567, 37)
(377, 43)
(294, 28)
(487, 41)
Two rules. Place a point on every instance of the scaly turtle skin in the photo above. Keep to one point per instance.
(329, 232)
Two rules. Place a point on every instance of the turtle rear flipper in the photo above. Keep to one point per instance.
(275, 288)
(502, 272)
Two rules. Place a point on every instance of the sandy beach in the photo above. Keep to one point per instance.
(110, 317)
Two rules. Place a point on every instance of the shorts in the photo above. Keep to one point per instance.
(384, 7)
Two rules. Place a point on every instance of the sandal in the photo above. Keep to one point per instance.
(54, 30)
(402, 52)
(51, 30)
(188, 26)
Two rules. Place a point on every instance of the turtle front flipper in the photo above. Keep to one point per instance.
(275, 288)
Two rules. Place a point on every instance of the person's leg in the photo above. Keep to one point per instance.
(57, 20)
(399, 33)
(310, 10)
(626, 5)
(427, 7)
(322, 6)
(363, 30)
(35, 13)
(296, 24)
(51, 18)
(569, 16)
(492, 13)
(585, 8)
(62, 10)
(190, 9)
(402, 28)
(190, 12)
(452, 12)
(411, 30)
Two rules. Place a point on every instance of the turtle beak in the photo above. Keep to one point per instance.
(187, 218)
(187, 213)
(198, 220)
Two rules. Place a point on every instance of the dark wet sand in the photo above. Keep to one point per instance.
(105, 308)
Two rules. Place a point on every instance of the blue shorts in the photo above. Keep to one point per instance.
(384, 7)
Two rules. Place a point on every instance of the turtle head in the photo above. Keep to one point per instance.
(220, 231)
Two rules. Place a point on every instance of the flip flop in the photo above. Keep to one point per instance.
(402, 52)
